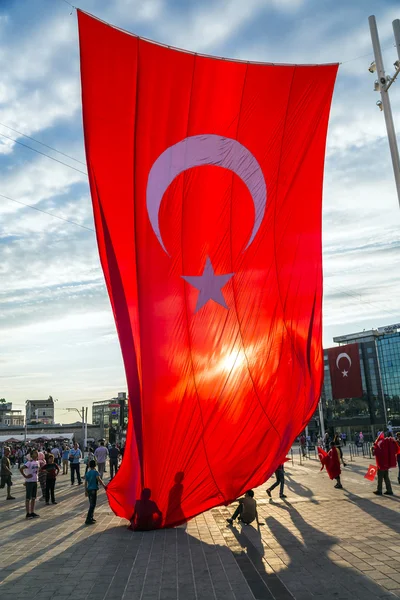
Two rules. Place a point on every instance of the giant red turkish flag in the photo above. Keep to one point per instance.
(345, 371)
(206, 180)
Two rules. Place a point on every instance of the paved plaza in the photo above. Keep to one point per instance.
(319, 543)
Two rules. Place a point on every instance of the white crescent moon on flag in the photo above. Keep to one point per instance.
(198, 151)
(343, 355)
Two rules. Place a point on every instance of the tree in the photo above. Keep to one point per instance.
(2, 400)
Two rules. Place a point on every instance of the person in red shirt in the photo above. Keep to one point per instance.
(385, 451)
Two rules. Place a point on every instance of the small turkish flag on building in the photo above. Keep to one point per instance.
(344, 367)
(370, 474)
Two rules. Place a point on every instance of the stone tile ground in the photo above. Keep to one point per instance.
(319, 543)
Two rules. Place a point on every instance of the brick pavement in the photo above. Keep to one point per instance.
(319, 543)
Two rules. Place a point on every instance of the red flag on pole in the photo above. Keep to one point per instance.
(371, 473)
(345, 371)
(206, 180)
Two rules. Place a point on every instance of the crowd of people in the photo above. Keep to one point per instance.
(386, 450)
(40, 465)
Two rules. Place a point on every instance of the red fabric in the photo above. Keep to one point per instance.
(331, 461)
(386, 451)
(371, 473)
(345, 371)
(219, 388)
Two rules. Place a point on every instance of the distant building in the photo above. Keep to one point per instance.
(379, 406)
(40, 411)
(10, 417)
(111, 415)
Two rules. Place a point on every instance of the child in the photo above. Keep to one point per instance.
(51, 469)
(247, 509)
(32, 468)
(92, 479)
(280, 480)
(88, 458)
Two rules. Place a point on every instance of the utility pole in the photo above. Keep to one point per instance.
(382, 85)
(86, 422)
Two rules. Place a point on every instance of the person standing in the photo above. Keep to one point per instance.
(42, 458)
(338, 445)
(65, 459)
(398, 455)
(101, 454)
(52, 470)
(6, 473)
(56, 453)
(31, 467)
(303, 443)
(331, 461)
(280, 480)
(92, 480)
(386, 451)
(114, 454)
(327, 441)
(75, 456)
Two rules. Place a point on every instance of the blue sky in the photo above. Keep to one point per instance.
(55, 319)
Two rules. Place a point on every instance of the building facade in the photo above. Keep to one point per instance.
(111, 416)
(10, 417)
(40, 411)
(379, 406)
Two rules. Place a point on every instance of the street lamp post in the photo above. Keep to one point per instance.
(382, 85)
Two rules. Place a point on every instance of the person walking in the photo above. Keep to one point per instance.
(101, 454)
(386, 451)
(65, 461)
(30, 472)
(114, 455)
(280, 480)
(6, 473)
(74, 458)
(303, 444)
(52, 470)
(92, 480)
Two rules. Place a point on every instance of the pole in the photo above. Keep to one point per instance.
(86, 413)
(396, 31)
(321, 418)
(387, 110)
(83, 427)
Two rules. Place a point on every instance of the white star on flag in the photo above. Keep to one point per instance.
(209, 286)
(345, 373)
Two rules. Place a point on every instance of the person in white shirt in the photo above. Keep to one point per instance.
(30, 471)
(101, 454)
(56, 453)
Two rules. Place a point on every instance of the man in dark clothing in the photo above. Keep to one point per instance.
(280, 480)
(6, 473)
(114, 455)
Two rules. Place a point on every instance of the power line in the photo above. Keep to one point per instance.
(43, 154)
(47, 213)
(43, 144)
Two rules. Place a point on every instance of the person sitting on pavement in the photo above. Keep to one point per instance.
(246, 512)
(386, 451)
